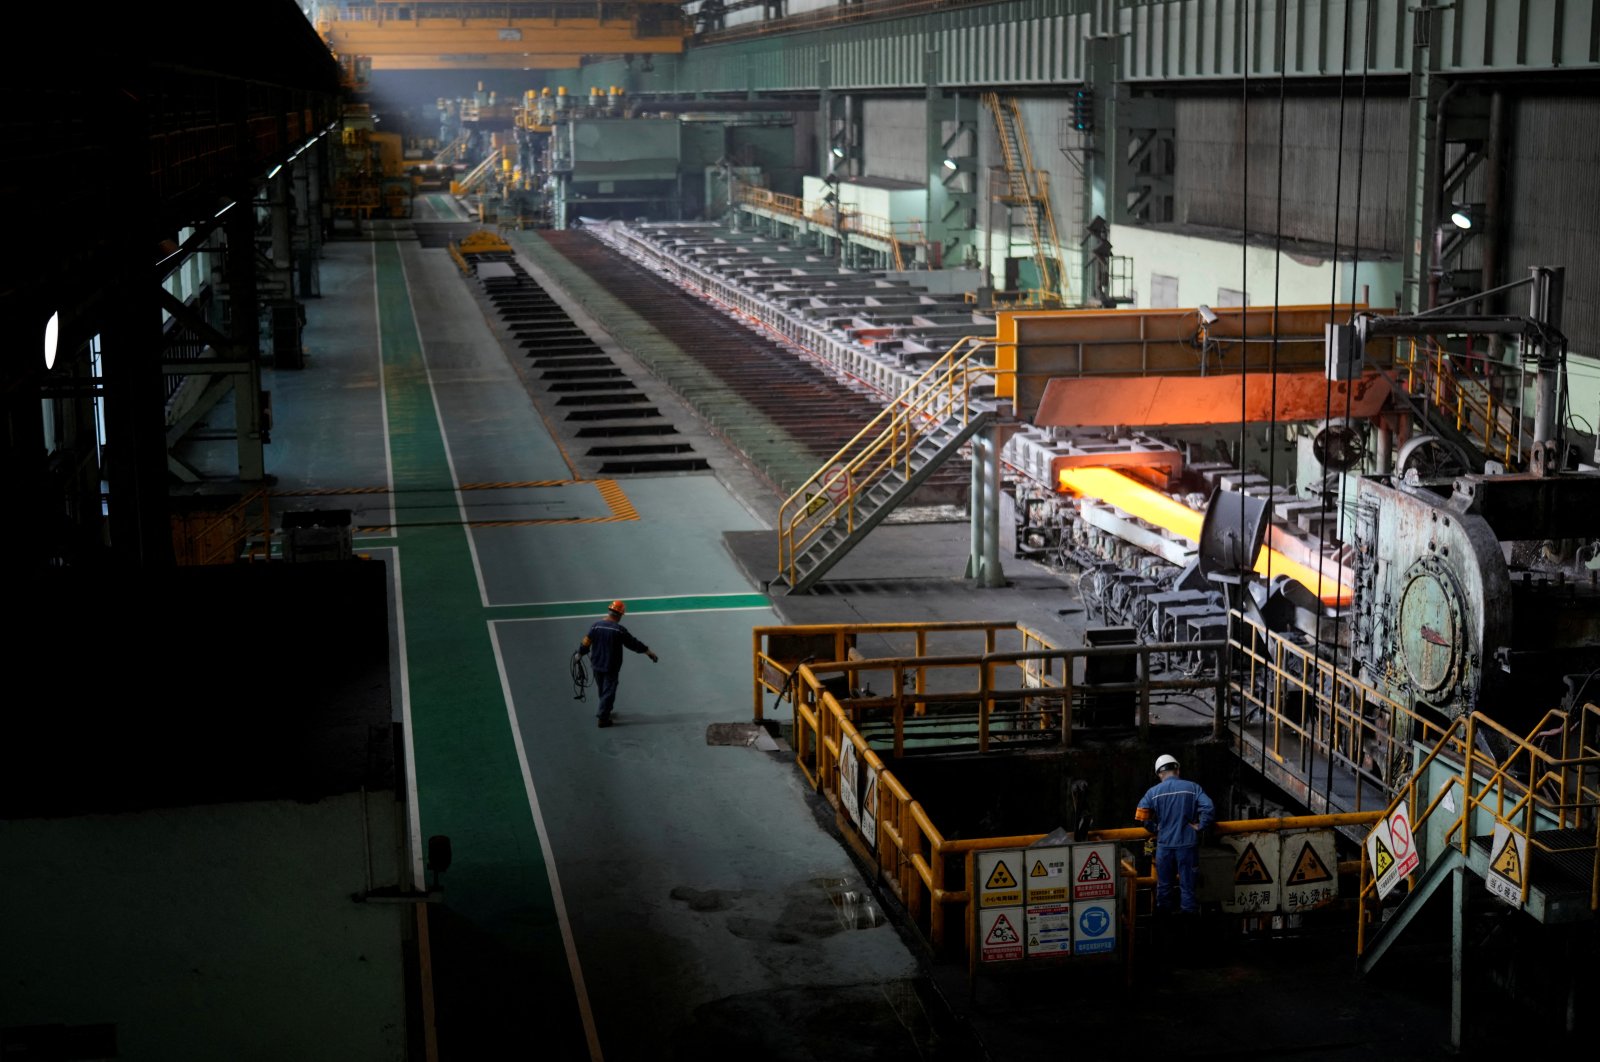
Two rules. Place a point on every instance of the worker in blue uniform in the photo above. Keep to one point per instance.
(1177, 812)
(603, 645)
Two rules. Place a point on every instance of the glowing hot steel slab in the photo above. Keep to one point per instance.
(1150, 505)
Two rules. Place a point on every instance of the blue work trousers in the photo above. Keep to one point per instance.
(1182, 864)
(605, 683)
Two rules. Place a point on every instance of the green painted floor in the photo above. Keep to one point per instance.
(612, 892)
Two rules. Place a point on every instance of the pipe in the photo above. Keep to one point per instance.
(1493, 192)
(1436, 165)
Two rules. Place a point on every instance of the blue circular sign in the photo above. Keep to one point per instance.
(1094, 921)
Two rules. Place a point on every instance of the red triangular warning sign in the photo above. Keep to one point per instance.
(1250, 870)
(1002, 933)
(1094, 869)
(1309, 868)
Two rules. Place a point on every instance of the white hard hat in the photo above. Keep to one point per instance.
(1166, 762)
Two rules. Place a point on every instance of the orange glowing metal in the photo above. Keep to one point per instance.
(1151, 506)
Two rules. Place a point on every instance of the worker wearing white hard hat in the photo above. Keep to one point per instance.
(1177, 812)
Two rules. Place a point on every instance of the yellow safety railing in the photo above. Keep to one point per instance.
(884, 447)
(226, 536)
(1310, 708)
(1430, 374)
(927, 872)
(1526, 787)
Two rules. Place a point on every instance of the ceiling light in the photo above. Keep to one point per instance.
(838, 152)
(52, 336)
(949, 164)
(274, 171)
(1461, 216)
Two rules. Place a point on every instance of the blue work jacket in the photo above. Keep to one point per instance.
(604, 644)
(1171, 807)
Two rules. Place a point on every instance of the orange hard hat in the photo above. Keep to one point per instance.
(618, 607)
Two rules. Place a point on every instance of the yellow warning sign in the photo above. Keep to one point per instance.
(1000, 878)
(1309, 868)
(1508, 864)
(1250, 870)
(1381, 859)
(1038, 870)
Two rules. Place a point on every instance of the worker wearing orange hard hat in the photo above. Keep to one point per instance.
(603, 645)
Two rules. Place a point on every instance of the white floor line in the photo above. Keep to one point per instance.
(413, 808)
(383, 390)
(663, 612)
(573, 965)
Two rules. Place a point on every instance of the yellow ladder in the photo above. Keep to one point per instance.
(1029, 188)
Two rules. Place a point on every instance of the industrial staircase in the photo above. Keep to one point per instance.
(1027, 189)
(1525, 820)
(1463, 407)
(468, 184)
(881, 467)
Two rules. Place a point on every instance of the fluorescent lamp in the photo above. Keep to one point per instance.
(52, 336)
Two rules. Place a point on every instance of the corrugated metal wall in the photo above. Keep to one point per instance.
(1553, 216)
(1211, 178)
(896, 134)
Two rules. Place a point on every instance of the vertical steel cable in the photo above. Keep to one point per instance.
(1277, 275)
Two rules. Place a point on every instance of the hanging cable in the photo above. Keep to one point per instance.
(580, 678)
(1272, 354)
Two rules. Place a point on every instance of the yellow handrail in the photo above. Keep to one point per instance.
(831, 493)
(1518, 776)
(1475, 414)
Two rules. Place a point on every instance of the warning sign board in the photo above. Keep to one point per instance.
(1094, 871)
(869, 807)
(1048, 874)
(837, 478)
(998, 885)
(999, 936)
(1380, 853)
(1094, 925)
(1257, 882)
(1508, 864)
(1049, 929)
(1309, 870)
(1404, 847)
(850, 781)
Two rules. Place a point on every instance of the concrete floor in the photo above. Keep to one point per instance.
(636, 893)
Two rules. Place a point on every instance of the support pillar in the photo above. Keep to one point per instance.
(244, 315)
(1458, 945)
(983, 506)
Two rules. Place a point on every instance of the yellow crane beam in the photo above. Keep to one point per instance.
(434, 37)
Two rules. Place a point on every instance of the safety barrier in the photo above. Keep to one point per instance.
(912, 858)
(1526, 789)
(1310, 711)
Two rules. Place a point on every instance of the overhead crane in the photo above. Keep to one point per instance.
(530, 35)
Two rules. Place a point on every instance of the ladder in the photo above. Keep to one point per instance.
(1027, 189)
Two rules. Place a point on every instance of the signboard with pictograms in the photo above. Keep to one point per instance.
(998, 885)
(1094, 871)
(869, 807)
(1257, 880)
(1405, 846)
(1508, 864)
(1309, 871)
(1380, 853)
(849, 780)
(999, 935)
(1094, 927)
(1050, 929)
(1048, 874)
